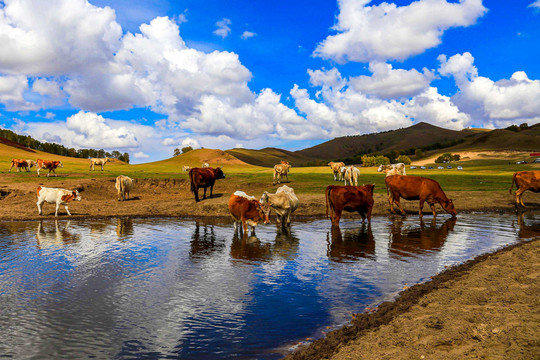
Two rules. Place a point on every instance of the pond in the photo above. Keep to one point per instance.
(168, 288)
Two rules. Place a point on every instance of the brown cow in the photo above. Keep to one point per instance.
(349, 198)
(18, 163)
(50, 165)
(525, 180)
(417, 188)
(248, 210)
(204, 178)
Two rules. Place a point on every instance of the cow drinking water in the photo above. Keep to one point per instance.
(247, 210)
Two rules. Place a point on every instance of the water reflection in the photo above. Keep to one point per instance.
(124, 228)
(527, 231)
(47, 236)
(351, 244)
(418, 240)
(203, 241)
(286, 243)
(250, 247)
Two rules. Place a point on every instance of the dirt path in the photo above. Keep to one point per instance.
(152, 197)
(487, 308)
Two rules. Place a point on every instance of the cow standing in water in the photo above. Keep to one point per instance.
(204, 178)
(351, 199)
(525, 180)
(417, 188)
(247, 210)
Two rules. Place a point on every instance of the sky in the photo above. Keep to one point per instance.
(146, 77)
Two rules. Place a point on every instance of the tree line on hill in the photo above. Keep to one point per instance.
(58, 149)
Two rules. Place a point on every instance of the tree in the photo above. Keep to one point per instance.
(404, 159)
(418, 153)
(125, 158)
(186, 149)
(176, 152)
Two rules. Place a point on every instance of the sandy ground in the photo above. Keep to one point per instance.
(480, 155)
(487, 310)
(172, 198)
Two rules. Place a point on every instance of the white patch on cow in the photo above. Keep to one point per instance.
(244, 195)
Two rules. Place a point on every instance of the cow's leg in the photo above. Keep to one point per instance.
(519, 197)
(37, 168)
(396, 201)
(204, 193)
(432, 206)
(336, 217)
(39, 203)
(391, 202)
(244, 225)
(212, 191)
(57, 207)
(196, 193)
(67, 210)
(421, 205)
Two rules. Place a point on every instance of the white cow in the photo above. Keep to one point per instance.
(336, 169)
(97, 161)
(393, 169)
(350, 174)
(186, 168)
(280, 170)
(205, 165)
(284, 202)
(56, 196)
(31, 163)
(124, 185)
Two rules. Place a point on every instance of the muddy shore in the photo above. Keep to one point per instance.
(164, 197)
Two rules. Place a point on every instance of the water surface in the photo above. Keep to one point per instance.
(164, 288)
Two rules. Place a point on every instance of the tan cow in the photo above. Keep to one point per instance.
(31, 164)
(98, 161)
(56, 196)
(351, 174)
(284, 202)
(280, 170)
(205, 165)
(525, 180)
(124, 185)
(50, 165)
(186, 168)
(336, 169)
(19, 164)
(393, 169)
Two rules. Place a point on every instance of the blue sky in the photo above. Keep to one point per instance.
(146, 77)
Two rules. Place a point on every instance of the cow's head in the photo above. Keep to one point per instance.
(60, 164)
(107, 159)
(382, 168)
(77, 195)
(330, 163)
(218, 173)
(448, 206)
(370, 188)
(264, 212)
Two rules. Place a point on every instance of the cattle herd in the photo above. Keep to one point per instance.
(249, 211)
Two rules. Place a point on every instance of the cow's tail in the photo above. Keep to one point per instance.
(512, 184)
(327, 198)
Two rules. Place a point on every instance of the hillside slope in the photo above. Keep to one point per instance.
(268, 157)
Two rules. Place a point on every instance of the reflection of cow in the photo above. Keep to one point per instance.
(18, 164)
(250, 248)
(285, 244)
(124, 228)
(353, 244)
(284, 202)
(349, 198)
(417, 188)
(99, 162)
(525, 180)
(123, 185)
(204, 242)
(56, 196)
(50, 165)
(419, 240)
(57, 237)
(204, 178)
(336, 169)
(527, 231)
(247, 210)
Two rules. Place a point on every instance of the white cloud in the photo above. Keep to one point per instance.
(492, 103)
(12, 89)
(535, 4)
(191, 142)
(388, 83)
(247, 34)
(169, 142)
(223, 28)
(141, 155)
(388, 32)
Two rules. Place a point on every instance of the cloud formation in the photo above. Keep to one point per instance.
(390, 32)
(223, 30)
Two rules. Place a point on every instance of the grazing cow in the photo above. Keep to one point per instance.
(351, 199)
(417, 188)
(525, 180)
(204, 178)
(98, 161)
(284, 202)
(393, 169)
(205, 165)
(186, 168)
(124, 185)
(50, 165)
(350, 174)
(19, 164)
(31, 164)
(280, 170)
(336, 169)
(247, 210)
(56, 196)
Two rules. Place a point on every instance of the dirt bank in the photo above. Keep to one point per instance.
(487, 308)
(152, 197)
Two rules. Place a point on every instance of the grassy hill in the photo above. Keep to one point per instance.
(268, 157)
